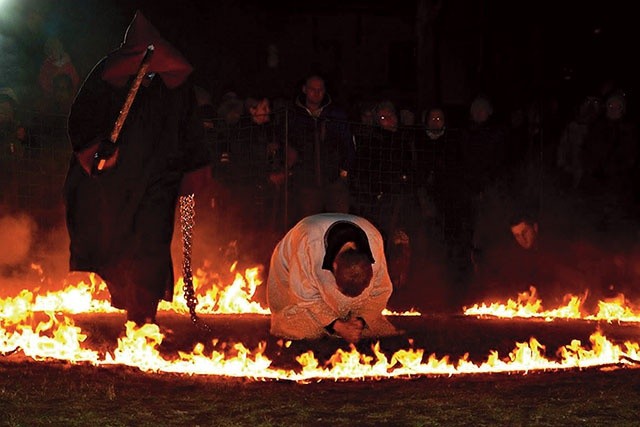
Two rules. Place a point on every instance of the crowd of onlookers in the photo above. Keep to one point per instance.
(452, 196)
(446, 189)
(33, 146)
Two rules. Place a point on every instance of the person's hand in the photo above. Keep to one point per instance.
(105, 157)
(350, 329)
(87, 157)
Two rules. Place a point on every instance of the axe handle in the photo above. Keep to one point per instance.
(124, 112)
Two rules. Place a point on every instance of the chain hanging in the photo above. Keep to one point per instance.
(187, 214)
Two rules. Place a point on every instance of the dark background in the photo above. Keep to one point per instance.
(416, 53)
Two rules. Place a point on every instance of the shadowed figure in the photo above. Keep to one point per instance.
(121, 221)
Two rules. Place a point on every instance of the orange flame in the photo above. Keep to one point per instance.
(58, 337)
(529, 305)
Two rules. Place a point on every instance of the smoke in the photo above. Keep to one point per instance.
(33, 256)
(17, 236)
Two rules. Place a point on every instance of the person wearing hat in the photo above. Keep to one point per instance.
(328, 277)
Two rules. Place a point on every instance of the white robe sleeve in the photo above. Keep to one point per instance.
(304, 299)
(295, 291)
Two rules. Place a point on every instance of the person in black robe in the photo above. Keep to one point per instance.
(121, 221)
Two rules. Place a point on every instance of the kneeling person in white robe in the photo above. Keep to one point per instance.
(325, 280)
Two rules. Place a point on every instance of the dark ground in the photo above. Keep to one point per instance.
(59, 393)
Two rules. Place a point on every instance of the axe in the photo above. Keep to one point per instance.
(107, 148)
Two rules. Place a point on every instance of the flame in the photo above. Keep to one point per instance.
(616, 309)
(90, 295)
(61, 339)
(216, 298)
(528, 305)
(58, 338)
(411, 312)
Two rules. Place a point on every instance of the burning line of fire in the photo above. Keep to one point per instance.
(91, 296)
(60, 339)
(528, 305)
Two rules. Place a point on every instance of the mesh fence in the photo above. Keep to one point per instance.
(33, 167)
(398, 180)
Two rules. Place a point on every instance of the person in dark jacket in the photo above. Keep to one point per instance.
(121, 221)
(321, 145)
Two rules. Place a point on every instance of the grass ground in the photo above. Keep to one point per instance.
(62, 394)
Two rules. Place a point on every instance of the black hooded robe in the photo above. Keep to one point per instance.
(121, 222)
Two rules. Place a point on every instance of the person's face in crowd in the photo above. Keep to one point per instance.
(260, 113)
(525, 234)
(388, 119)
(589, 109)
(54, 49)
(314, 91)
(615, 108)
(435, 119)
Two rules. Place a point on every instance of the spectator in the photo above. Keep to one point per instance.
(610, 155)
(573, 138)
(386, 116)
(429, 171)
(528, 252)
(59, 100)
(482, 151)
(479, 154)
(382, 186)
(367, 114)
(323, 149)
(205, 109)
(57, 62)
(364, 129)
(435, 123)
(259, 150)
(13, 142)
(230, 109)
(12, 133)
(328, 276)
(224, 133)
(428, 253)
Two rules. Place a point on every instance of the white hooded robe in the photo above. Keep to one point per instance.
(304, 298)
